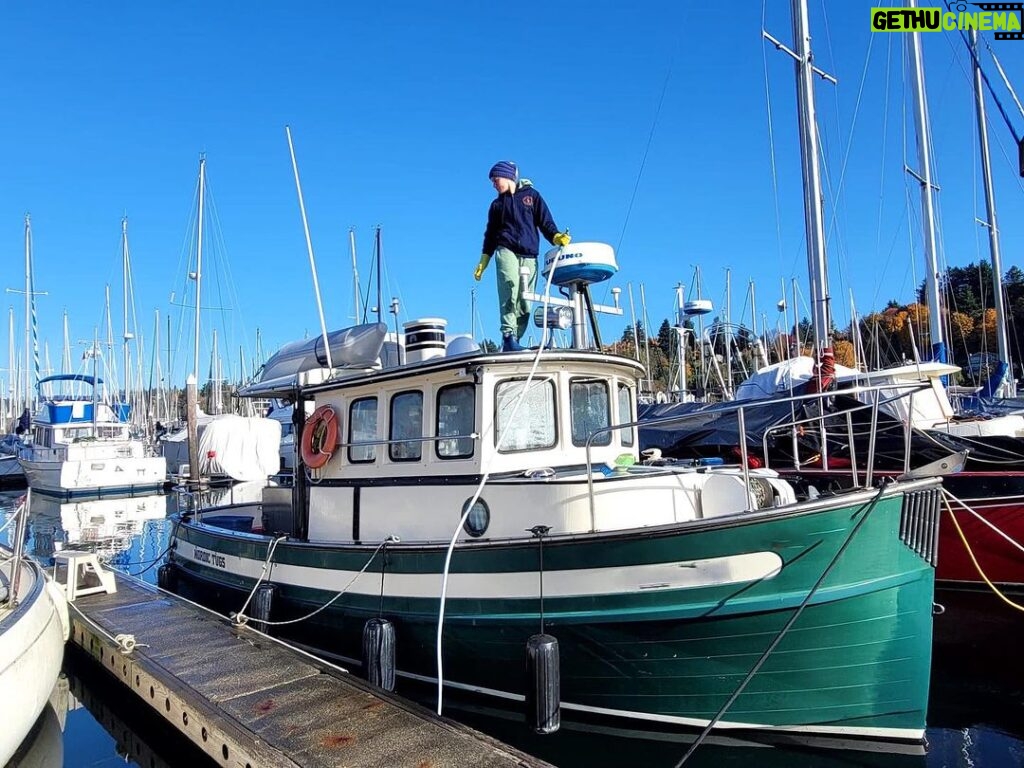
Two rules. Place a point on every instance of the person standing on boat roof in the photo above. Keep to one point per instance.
(513, 219)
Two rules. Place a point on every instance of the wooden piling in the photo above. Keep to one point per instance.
(191, 413)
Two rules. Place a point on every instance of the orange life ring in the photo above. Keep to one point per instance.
(319, 437)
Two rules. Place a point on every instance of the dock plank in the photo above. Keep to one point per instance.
(247, 699)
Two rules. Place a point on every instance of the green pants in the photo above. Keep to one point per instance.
(514, 309)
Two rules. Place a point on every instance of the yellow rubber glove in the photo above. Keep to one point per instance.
(562, 239)
(485, 259)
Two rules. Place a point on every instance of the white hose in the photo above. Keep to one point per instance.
(483, 481)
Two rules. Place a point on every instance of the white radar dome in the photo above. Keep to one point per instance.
(580, 263)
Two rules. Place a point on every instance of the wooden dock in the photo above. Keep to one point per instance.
(249, 700)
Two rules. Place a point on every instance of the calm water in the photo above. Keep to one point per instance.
(976, 709)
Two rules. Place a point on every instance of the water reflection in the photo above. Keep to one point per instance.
(108, 526)
(44, 745)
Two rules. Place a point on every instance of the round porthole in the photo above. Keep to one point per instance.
(478, 519)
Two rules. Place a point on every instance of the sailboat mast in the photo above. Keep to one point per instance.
(814, 214)
(647, 345)
(27, 392)
(632, 319)
(199, 261)
(927, 204)
(11, 374)
(214, 384)
(95, 381)
(355, 270)
(110, 328)
(1002, 341)
(154, 371)
(65, 358)
(380, 257)
(728, 334)
(125, 336)
(170, 368)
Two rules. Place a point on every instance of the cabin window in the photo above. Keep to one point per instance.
(362, 427)
(534, 423)
(590, 408)
(625, 414)
(456, 415)
(77, 434)
(478, 518)
(406, 422)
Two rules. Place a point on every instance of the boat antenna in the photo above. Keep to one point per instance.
(309, 249)
(394, 311)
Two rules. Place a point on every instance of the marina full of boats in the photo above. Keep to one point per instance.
(530, 531)
(765, 565)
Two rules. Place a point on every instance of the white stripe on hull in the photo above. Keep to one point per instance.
(582, 582)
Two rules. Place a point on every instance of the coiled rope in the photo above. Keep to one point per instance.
(125, 642)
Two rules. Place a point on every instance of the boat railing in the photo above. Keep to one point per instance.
(36, 452)
(194, 500)
(875, 395)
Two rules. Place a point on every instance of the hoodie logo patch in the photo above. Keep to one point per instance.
(528, 201)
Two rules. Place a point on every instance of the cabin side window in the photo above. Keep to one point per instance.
(362, 427)
(406, 422)
(590, 411)
(625, 414)
(534, 424)
(456, 414)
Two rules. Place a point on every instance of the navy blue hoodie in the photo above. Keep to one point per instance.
(513, 221)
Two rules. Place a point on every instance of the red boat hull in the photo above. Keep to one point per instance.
(998, 498)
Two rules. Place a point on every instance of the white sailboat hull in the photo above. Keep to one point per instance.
(32, 640)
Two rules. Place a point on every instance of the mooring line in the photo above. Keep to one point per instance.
(782, 633)
(242, 619)
(970, 552)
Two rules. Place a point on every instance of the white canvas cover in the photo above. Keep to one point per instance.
(243, 448)
(783, 377)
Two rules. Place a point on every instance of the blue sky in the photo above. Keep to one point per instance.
(399, 109)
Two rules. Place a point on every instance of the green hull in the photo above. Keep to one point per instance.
(856, 662)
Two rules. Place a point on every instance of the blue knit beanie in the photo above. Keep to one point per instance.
(504, 169)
